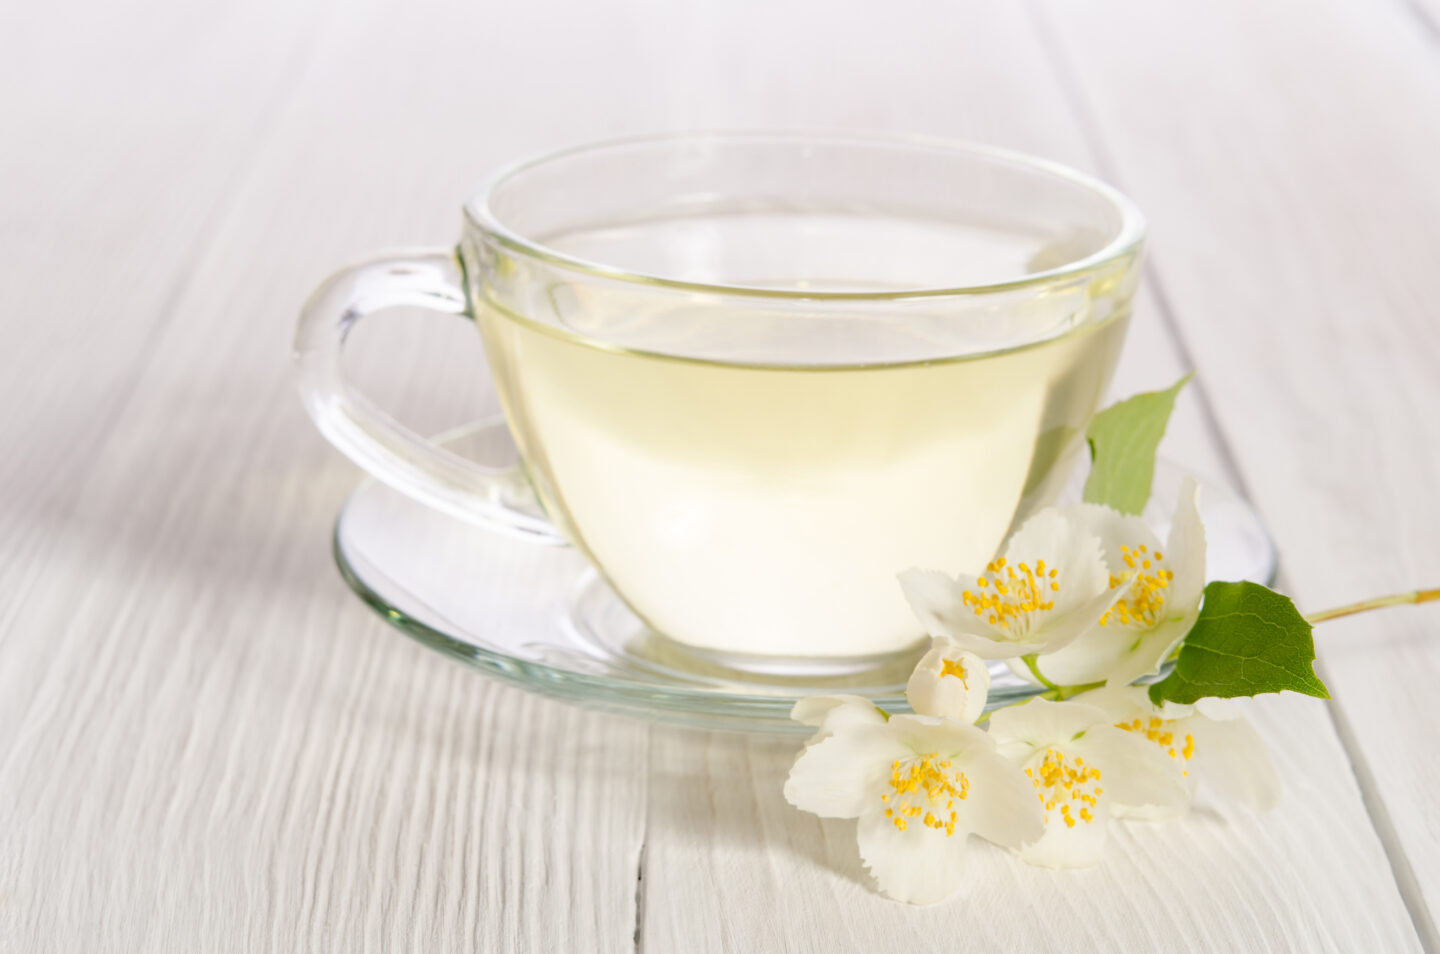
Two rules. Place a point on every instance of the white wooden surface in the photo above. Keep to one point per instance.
(207, 745)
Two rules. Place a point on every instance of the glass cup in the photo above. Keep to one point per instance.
(752, 377)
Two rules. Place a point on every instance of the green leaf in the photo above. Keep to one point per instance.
(1123, 438)
(1248, 640)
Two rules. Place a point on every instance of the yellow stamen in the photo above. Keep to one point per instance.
(1143, 604)
(1162, 733)
(1007, 595)
(956, 668)
(1063, 782)
(919, 786)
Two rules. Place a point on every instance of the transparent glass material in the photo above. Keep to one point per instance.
(753, 377)
(541, 618)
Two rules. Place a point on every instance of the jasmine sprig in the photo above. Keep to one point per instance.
(1083, 601)
(1248, 640)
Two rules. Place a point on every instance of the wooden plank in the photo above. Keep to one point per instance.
(205, 742)
(118, 158)
(729, 863)
(1426, 14)
(1288, 163)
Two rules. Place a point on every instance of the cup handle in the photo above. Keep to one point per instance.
(491, 497)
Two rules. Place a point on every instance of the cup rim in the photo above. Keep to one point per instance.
(1126, 242)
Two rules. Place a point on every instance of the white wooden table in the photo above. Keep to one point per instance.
(207, 744)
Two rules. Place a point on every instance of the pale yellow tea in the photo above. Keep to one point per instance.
(743, 500)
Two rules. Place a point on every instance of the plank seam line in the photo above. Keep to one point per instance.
(1069, 79)
(1411, 892)
(642, 854)
(1401, 870)
(640, 890)
(1421, 14)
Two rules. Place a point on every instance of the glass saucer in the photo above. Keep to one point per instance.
(541, 618)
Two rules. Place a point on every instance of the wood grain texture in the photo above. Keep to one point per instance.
(207, 744)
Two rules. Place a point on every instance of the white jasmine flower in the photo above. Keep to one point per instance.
(948, 681)
(828, 713)
(919, 786)
(1049, 587)
(1210, 739)
(1082, 769)
(1159, 591)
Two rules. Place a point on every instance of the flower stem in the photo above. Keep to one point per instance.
(1380, 602)
(1065, 692)
(1032, 663)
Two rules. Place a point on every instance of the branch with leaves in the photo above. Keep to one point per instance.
(1090, 606)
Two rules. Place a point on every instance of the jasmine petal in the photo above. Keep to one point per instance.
(1050, 586)
(1083, 771)
(920, 786)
